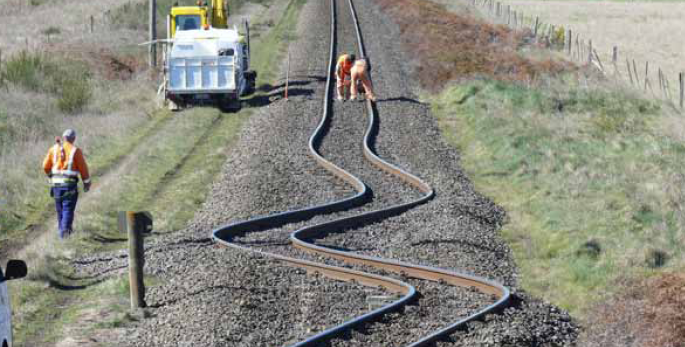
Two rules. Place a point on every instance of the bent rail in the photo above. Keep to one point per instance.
(301, 238)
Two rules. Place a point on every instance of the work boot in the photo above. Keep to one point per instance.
(340, 98)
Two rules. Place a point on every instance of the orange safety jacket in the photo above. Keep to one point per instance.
(63, 163)
(344, 66)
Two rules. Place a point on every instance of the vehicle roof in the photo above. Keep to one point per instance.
(211, 33)
(181, 10)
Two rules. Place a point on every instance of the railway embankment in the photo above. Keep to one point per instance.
(587, 170)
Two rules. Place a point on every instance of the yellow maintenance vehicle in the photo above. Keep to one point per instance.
(205, 61)
(197, 17)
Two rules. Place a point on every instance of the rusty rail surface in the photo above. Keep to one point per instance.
(302, 238)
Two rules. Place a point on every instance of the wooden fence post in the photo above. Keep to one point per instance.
(599, 61)
(630, 74)
(135, 224)
(637, 78)
(508, 14)
(515, 19)
(682, 89)
(646, 74)
(535, 31)
(153, 32)
(614, 55)
(589, 56)
(92, 24)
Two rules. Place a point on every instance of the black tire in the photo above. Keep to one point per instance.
(251, 77)
(229, 105)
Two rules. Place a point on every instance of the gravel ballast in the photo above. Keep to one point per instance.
(213, 296)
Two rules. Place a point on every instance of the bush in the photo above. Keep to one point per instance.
(24, 70)
(67, 80)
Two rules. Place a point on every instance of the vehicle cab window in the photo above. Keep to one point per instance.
(188, 22)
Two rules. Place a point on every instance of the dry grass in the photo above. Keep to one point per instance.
(22, 21)
(644, 31)
(646, 314)
(451, 46)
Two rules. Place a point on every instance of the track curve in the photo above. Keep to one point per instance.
(302, 237)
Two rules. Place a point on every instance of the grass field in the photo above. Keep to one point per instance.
(142, 159)
(642, 30)
(590, 172)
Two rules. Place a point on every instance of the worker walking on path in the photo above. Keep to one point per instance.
(343, 74)
(360, 75)
(63, 164)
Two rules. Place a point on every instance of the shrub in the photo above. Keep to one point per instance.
(24, 69)
(73, 95)
(67, 80)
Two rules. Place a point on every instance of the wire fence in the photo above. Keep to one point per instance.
(649, 80)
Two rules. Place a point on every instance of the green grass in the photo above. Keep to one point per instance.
(590, 182)
(271, 49)
(176, 156)
(46, 310)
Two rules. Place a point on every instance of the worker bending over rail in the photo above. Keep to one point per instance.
(63, 164)
(343, 71)
(360, 76)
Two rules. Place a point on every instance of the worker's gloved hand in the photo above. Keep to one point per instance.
(86, 187)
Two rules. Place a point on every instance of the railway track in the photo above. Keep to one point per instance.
(304, 238)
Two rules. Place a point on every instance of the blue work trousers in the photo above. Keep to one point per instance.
(65, 204)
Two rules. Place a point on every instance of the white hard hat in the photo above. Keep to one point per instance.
(69, 134)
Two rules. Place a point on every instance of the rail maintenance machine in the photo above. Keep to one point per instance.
(206, 63)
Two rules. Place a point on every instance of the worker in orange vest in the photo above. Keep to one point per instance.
(63, 164)
(342, 73)
(360, 76)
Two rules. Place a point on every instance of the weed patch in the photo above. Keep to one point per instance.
(448, 46)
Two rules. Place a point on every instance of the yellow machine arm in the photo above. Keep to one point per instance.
(219, 14)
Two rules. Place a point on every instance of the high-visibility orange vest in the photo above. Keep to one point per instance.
(343, 66)
(358, 70)
(64, 162)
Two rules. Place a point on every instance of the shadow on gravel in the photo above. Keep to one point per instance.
(401, 99)
(459, 242)
(103, 239)
(344, 249)
(261, 100)
(198, 292)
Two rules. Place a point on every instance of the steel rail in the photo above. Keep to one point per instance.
(225, 234)
(300, 238)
